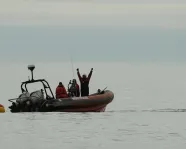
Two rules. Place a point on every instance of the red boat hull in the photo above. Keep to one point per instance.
(88, 109)
(91, 103)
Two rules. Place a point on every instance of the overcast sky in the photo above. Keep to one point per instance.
(163, 13)
(93, 29)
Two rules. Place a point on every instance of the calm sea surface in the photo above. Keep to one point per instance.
(148, 110)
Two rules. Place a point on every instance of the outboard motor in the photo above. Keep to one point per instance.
(21, 102)
(36, 99)
(23, 97)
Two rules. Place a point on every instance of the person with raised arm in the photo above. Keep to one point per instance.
(84, 81)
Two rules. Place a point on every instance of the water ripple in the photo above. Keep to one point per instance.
(148, 110)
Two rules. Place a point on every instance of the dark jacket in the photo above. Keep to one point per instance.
(75, 89)
(84, 84)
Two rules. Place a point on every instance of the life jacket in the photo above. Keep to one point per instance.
(61, 92)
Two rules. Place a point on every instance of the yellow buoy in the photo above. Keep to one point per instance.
(2, 109)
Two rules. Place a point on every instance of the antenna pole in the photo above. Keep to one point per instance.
(72, 68)
(32, 74)
(72, 65)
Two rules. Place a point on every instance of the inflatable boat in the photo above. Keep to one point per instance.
(43, 100)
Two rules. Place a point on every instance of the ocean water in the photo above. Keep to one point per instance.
(148, 110)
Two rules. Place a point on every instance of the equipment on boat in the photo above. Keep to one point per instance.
(43, 100)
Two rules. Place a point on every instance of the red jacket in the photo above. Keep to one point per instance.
(77, 86)
(78, 92)
(61, 92)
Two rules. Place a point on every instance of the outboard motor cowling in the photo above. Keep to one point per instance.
(36, 97)
(23, 97)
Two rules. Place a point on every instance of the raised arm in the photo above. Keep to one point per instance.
(90, 74)
(79, 76)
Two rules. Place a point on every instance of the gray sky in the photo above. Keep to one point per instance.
(163, 13)
(93, 30)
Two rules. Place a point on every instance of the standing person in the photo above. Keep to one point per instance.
(84, 80)
(77, 87)
(74, 88)
(61, 91)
